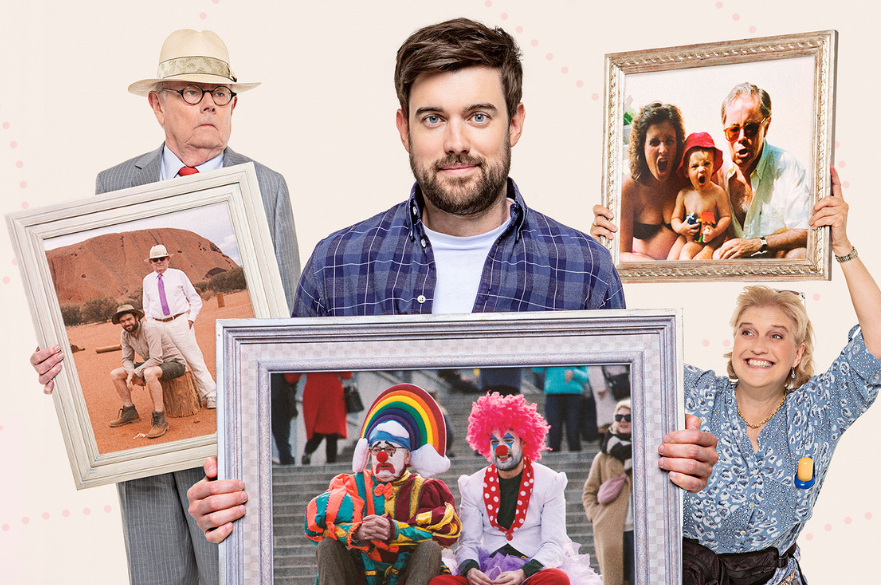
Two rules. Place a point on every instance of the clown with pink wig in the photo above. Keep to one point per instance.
(513, 512)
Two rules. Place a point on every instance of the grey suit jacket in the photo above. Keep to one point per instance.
(273, 189)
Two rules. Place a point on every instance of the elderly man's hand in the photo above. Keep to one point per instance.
(374, 527)
(216, 504)
(689, 455)
(738, 248)
(47, 363)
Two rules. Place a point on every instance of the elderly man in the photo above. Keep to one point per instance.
(162, 361)
(767, 187)
(464, 240)
(385, 525)
(514, 509)
(173, 304)
(193, 98)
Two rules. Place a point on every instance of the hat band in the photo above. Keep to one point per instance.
(195, 65)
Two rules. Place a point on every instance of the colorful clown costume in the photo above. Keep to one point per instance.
(403, 427)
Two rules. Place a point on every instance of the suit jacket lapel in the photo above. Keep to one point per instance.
(147, 168)
(231, 158)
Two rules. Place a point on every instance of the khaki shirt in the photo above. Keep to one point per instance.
(152, 343)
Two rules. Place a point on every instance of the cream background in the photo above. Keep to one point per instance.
(324, 117)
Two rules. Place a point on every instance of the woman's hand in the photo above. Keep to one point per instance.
(832, 211)
(602, 223)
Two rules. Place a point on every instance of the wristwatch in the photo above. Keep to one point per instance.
(764, 247)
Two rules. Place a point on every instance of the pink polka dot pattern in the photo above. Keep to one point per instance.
(24, 205)
(203, 16)
(579, 83)
(66, 513)
(25, 520)
(13, 144)
(705, 343)
(6, 125)
(735, 16)
(5, 280)
(719, 5)
(45, 515)
(752, 30)
(504, 16)
(726, 343)
(14, 263)
(534, 43)
(23, 184)
(549, 56)
(19, 164)
(488, 3)
(837, 144)
(809, 536)
(868, 515)
(519, 29)
(816, 296)
(564, 70)
(841, 164)
(107, 509)
(594, 96)
(848, 520)
(216, 1)
(6, 528)
(845, 184)
(828, 528)
(86, 511)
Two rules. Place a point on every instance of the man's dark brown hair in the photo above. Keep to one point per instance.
(457, 44)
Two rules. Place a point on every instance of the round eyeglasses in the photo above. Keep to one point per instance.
(389, 450)
(193, 94)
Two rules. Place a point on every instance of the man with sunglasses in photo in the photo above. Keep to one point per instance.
(193, 97)
(171, 301)
(766, 185)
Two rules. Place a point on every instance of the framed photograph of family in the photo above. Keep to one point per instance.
(441, 353)
(714, 156)
(129, 284)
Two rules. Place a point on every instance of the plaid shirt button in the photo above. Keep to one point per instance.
(420, 299)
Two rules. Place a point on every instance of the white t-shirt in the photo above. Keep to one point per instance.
(459, 265)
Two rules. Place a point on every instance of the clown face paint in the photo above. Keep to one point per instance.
(387, 467)
(506, 449)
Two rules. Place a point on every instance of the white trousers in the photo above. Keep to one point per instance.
(185, 340)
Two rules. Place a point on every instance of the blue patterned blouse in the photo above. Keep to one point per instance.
(751, 501)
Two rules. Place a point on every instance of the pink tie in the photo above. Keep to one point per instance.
(162, 300)
(187, 171)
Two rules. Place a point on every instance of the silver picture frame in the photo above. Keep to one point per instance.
(649, 341)
(234, 189)
(709, 71)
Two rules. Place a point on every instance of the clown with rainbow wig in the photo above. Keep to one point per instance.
(384, 524)
(514, 511)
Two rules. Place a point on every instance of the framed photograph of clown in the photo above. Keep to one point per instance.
(450, 357)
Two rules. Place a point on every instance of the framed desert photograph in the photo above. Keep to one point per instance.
(452, 357)
(714, 156)
(130, 284)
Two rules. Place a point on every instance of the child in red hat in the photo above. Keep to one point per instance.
(701, 216)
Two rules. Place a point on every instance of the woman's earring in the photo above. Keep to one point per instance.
(792, 373)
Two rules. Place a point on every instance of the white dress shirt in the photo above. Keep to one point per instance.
(179, 293)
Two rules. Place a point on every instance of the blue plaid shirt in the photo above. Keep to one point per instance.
(385, 266)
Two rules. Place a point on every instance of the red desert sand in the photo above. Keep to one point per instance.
(103, 402)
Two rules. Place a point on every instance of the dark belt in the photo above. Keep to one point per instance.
(169, 318)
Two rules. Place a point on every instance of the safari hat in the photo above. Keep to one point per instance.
(199, 57)
(122, 310)
(158, 251)
(700, 140)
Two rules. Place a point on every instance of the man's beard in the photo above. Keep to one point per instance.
(456, 197)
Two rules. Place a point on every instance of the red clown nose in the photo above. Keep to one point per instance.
(502, 451)
(382, 456)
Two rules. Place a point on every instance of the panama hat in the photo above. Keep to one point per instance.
(198, 57)
(158, 251)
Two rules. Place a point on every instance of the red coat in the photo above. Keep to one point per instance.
(324, 410)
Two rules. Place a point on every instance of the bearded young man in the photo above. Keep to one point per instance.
(384, 524)
(464, 241)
